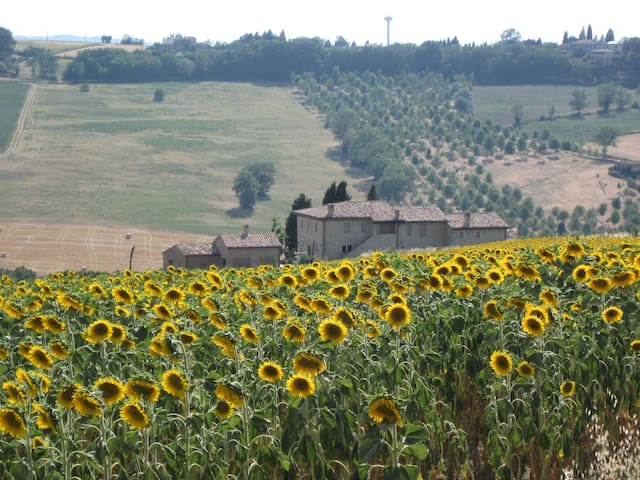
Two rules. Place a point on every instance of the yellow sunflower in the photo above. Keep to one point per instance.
(187, 338)
(321, 305)
(568, 388)
(86, 405)
(303, 302)
(600, 284)
(533, 325)
(272, 311)
(223, 409)
(35, 323)
(549, 298)
(635, 346)
(173, 296)
(249, 333)
(371, 329)
(98, 331)
(39, 357)
(112, 390)
(198, 289)
(612, 315)
(288, 281)
(4, 354)
(294, 333)
(345, 317)
(340, 292)
(134, 415)
(65, 396)
(142, 389)
(526, 370)
(162, 311)
(623, 279)
(345, 271)
(491, 310)
(311, 273)
(15, 395)
(398, 315)
(152, 289)
(12, 423)
(300, 385)
(465, 290)
(231, 394)
(53, 325)
(501, 363)
(384, 410)
(174, 383)
(582, 273)
(124, 296)
(44, 419)
(332, 331)
(270, 371)
(308, 364)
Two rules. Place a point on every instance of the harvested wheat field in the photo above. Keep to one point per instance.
(47, 248)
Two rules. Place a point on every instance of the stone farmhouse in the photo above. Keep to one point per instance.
(349, 229)
(227, 250)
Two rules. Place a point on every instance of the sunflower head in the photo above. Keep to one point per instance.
(223, 409)
(332, 331)
(270, 372)
(398, 315)
(301, 385)
(501, 363)
(294, 333)
(249, 333)
(134, 415)
(174, 383)
(12, 423)
(384, 410)
(142, 389)
(231, 394)
(612, 315)
(533, 325)
(98, 331)
(308, 364)
(526, 370)
(112, 390)
(568, 388)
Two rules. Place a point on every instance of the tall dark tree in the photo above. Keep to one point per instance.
(245, 187)
(565, 38)
(291, 228)
(341, 192)
(589, 33)
(372, 194)
(610, 37)
(329, 194)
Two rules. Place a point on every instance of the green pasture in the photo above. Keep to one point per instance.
(113, 156)
(55, 46)
(11, 98)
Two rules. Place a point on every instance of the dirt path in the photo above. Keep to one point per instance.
(23, 121)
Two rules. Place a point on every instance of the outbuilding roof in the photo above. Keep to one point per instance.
(194, 248)
(250, 240)
(476, 220)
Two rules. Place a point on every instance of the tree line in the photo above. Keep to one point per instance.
(273, 58)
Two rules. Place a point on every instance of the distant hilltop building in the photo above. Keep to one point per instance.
(244, 249)
(349, 229)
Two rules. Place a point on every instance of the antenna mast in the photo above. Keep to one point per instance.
(388, 20)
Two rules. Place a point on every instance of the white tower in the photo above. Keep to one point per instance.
(388, 20)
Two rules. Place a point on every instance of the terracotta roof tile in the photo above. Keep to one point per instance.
(377, 211)
(250, 240)
(476, 220)
(195, 248)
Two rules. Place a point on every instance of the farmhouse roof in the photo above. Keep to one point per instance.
(375, 210)
(250, 240)
(194, 248)
(475, 220)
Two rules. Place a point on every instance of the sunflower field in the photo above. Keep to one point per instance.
(492, 361)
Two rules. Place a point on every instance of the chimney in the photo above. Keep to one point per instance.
(467, 219)
(245, 231)
(330, 209)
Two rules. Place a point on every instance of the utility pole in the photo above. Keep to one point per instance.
(388, 20)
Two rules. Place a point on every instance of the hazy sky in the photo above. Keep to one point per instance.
(413, 21)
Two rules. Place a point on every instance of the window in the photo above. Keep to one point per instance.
(347, 248)
(347, 227)
(477, 234)
(423, 230)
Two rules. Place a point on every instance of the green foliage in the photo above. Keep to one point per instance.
(336, 193)
(158, 95)
(265, 175)
(578, 100)
(291, 228)
(606, 137)
(245, 186)
(18, 273)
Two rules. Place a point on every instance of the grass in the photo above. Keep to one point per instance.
(112, 156)
(11, 98)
